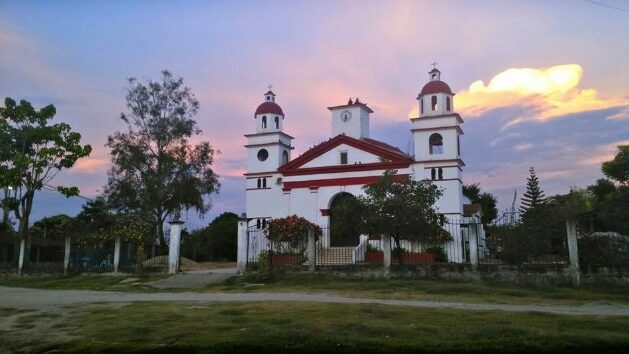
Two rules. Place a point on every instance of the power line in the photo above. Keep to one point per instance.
(606, 5)
(54, 189)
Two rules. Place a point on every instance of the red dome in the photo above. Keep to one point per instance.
(435, 87)
(269, 107)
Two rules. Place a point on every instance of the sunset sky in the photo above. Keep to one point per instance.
(538, 83)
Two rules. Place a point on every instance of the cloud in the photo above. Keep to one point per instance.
(603, 153)
(545, 93)
(523, 146)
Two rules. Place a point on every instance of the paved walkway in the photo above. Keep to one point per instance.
(194, 279)
(42, 299)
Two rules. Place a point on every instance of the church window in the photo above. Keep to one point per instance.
(277, 122)
(263, 122)
(458, 145)
(285, 157)
(433, 103)
(442, 219)
(448, 104)
(263, 154)
(264, 183)
(432, 174)
(259, 182)
(440, 173)
(258, 224)
(421, 105)
(344, 158)
(263, 223)
(436, 144)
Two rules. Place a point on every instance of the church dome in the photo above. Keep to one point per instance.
(436, 86)
(269, 107)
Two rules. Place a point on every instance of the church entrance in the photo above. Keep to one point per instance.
(343, 221)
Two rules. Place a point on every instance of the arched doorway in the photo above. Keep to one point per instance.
(344, 215)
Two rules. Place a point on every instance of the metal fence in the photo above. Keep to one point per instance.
(48, 256)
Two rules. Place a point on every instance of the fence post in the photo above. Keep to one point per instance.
(386, 249)
(20, 262)
(472, 231)
(116, 254)
(66, 254)
(241, 258)
(573, 250)
(312, 252)
(175, 245)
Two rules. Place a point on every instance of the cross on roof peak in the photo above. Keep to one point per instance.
(434, 65)
(270, 87)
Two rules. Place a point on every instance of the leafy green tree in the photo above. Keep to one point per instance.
(618, 168)
(403, 210)
(602, 188)
(155, 168)
(223, 243)
(36, 151)
(486, 200)
(534, 196)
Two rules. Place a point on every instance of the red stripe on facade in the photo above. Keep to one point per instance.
(339, 182)
(346, 168)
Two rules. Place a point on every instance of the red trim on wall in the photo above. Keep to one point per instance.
(346, 168)
(324, 147)
(339, 182)
(325, 212)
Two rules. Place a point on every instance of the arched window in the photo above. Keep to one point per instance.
(285, 157)
(277, 122)
(433, 103)
(264, 183)
(259, 183)
(258, 224)
(440, 173)
(421, 106)
(448, 104)
(263, 121)
(436, 144)
(432, 174)
(263, 223)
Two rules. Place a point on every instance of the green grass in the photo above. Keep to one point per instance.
(441, 290)
(333, 328)
(82, 282)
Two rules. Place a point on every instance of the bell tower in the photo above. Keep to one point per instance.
(269, 147)
(436, 134)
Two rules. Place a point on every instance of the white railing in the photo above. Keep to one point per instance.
(358, 256)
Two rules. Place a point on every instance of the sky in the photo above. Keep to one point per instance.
(541, 84)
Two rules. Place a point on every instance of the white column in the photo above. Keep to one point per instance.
(312, 252)
(386, 248)
(66, 254)
(472, 232)
(241, 257)
(20, 262)
(116, 254)
(173, 249)
(573, 250)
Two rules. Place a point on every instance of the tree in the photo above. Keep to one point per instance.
(36, 151)
(618, 168)
(602, 188)
(534, 196)
(402, 209)
(486, 200)
(154, 166)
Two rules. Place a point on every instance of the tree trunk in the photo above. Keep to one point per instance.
(27, 206)
(398, 253)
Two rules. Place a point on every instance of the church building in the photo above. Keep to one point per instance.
(309, 185)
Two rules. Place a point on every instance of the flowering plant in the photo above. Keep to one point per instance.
(291, 229)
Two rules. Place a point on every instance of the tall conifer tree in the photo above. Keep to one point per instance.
(534, 195)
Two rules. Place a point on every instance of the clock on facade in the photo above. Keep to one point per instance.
(346, 115)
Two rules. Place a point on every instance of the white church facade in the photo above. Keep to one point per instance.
(278, 185)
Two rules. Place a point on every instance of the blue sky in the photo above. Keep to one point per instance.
(554, 91)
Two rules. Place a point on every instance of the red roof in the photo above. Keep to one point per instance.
(435, 87)
(269, 107)
(395, 157)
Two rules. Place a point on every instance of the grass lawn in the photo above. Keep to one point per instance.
(83, 281)
(440, 290)
(310, 327)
